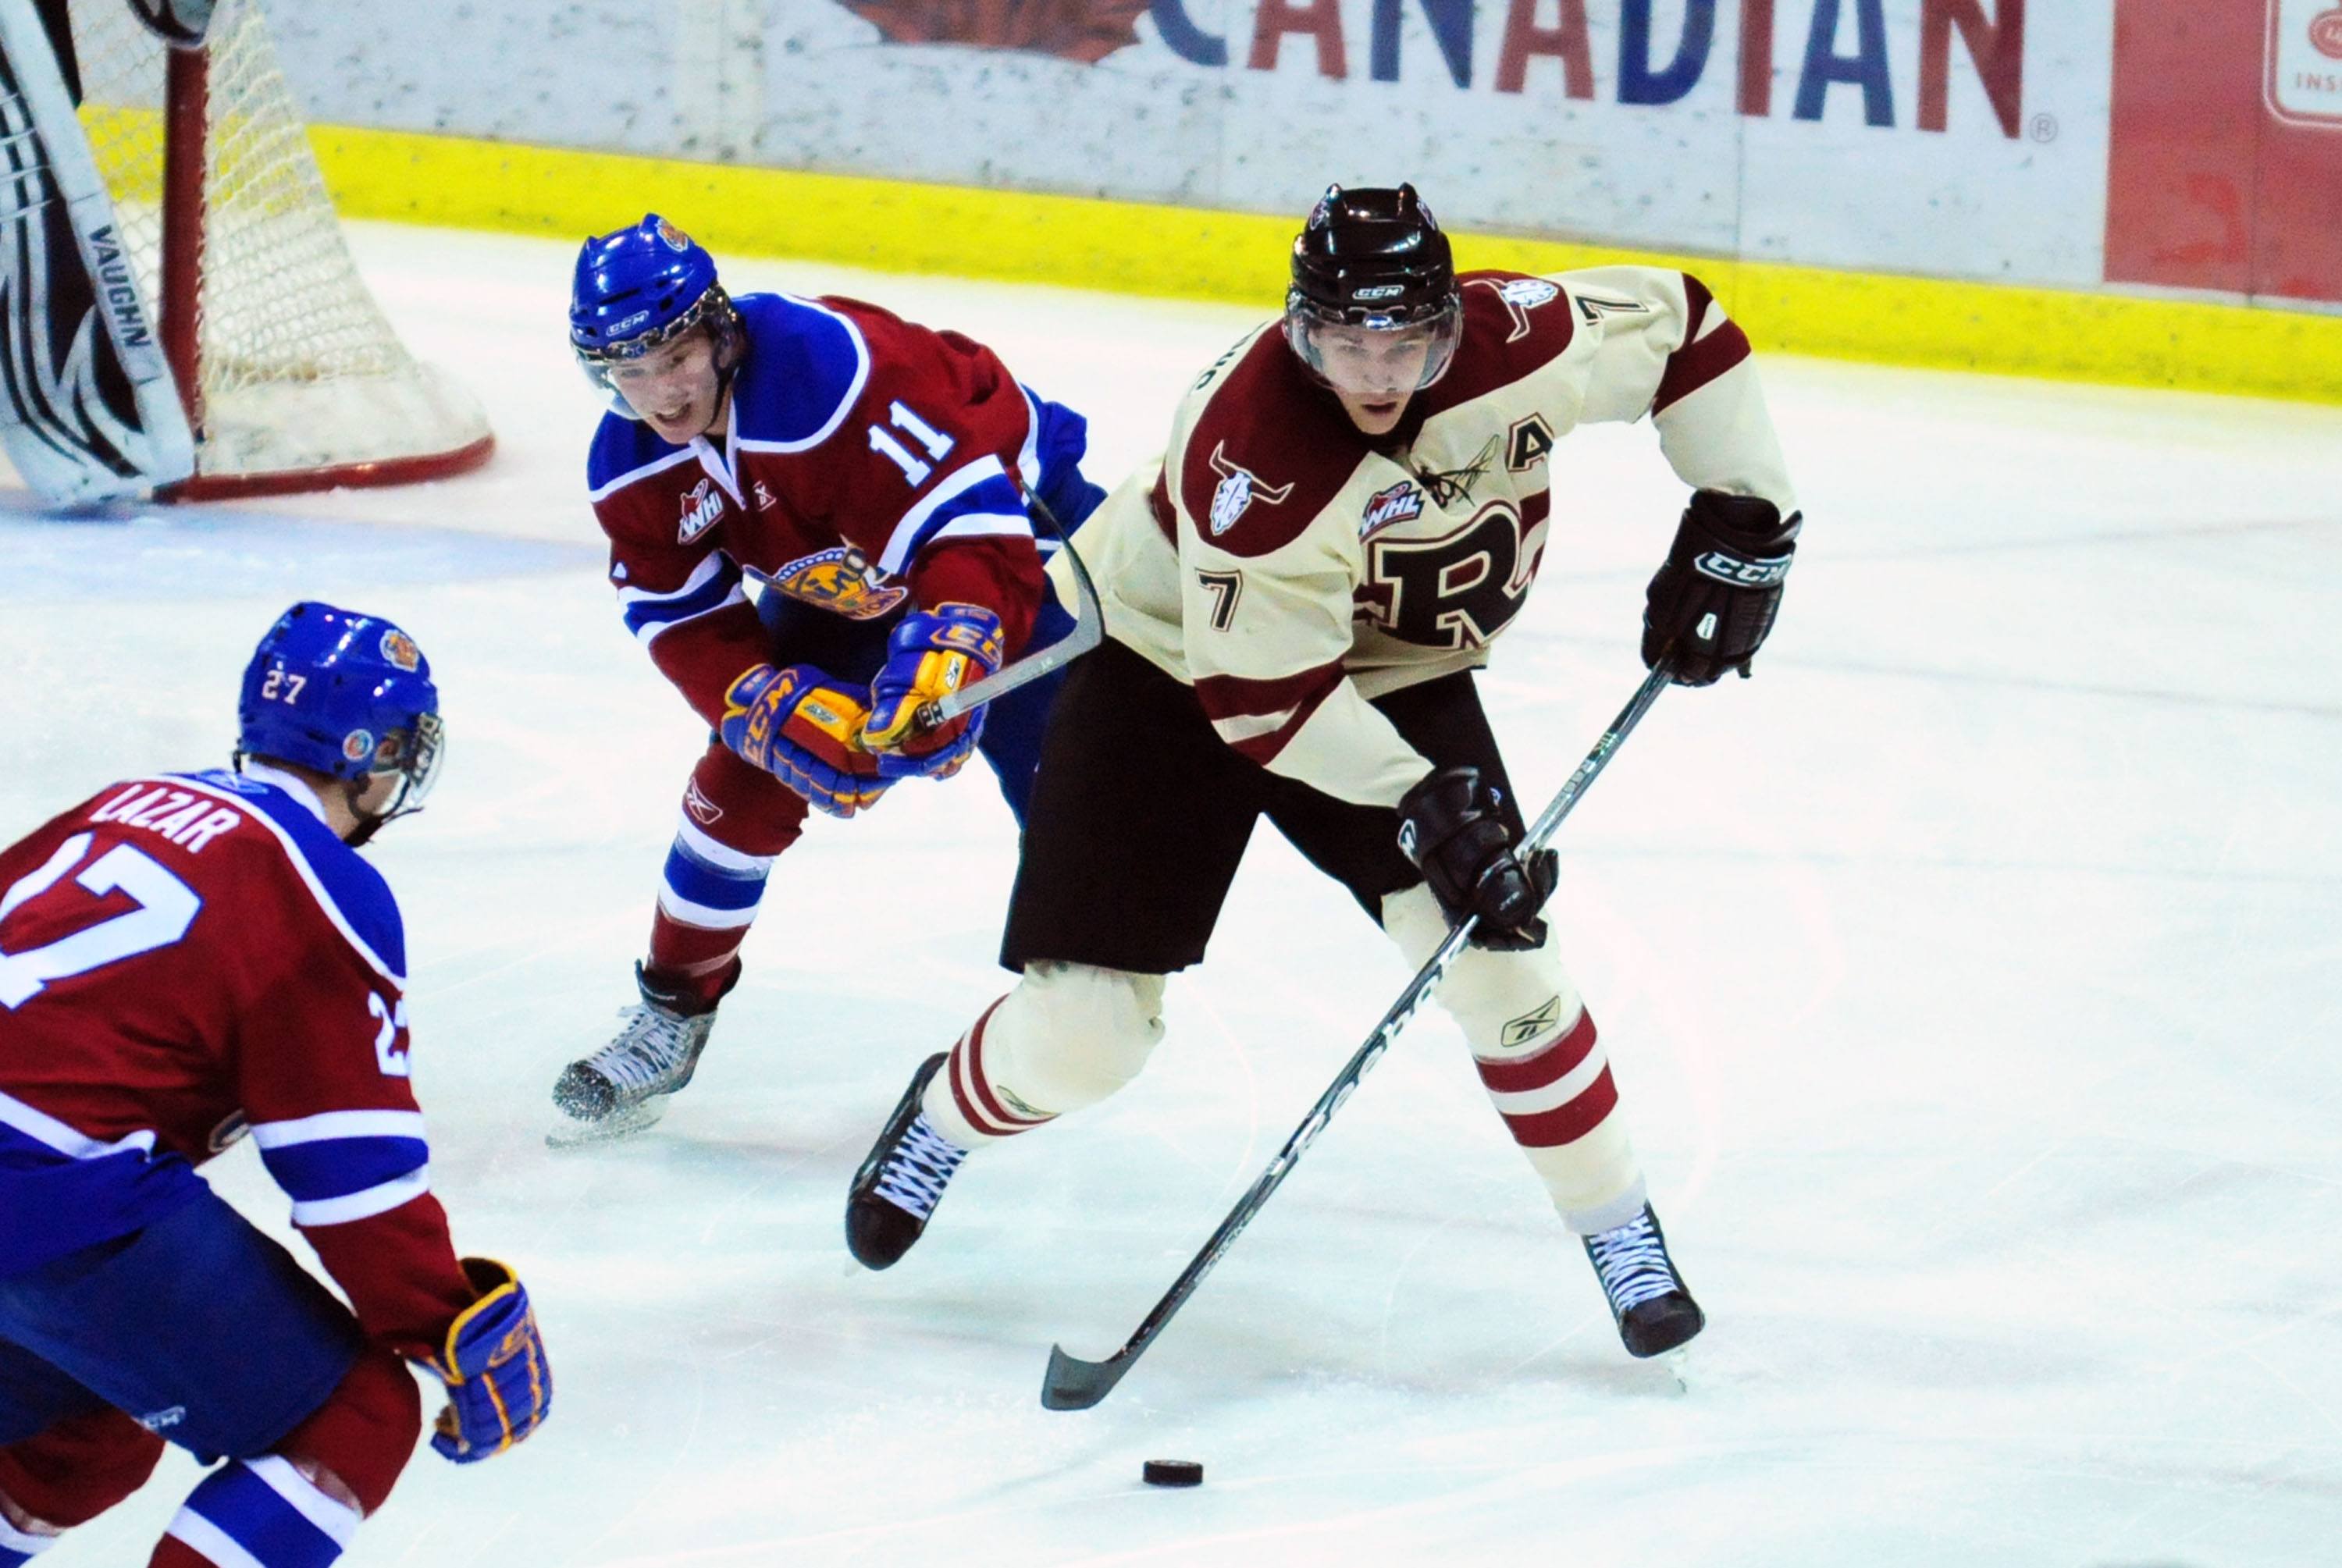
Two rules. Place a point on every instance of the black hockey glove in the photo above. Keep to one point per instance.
(1450, 827)
(1716, 597)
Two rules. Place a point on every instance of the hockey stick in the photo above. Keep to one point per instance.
(1073, 1383)
(1089, 625)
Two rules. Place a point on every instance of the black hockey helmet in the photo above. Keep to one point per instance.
(1373, 258)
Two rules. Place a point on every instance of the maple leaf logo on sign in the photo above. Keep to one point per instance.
(1084, 30)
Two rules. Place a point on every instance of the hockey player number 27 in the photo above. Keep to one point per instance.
(166, 907)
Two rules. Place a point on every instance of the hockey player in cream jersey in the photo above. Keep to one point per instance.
(1353, 506)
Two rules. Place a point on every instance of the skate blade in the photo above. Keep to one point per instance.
(1678, 1365)
(625, 1123)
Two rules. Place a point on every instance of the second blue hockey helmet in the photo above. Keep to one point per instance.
(639, 288)
(344, 694)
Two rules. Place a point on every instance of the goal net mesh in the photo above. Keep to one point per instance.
(296, 368)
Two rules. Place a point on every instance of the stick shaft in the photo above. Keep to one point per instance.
(1089, 627)
(1363, 1060)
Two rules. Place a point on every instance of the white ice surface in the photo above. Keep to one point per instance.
(1972, 978)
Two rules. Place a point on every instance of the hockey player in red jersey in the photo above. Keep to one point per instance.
(871, 476)
(1354, 506)
(186, 959)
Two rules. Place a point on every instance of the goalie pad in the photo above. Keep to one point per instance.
(88, 408)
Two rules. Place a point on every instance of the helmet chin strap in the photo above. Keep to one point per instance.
(368, 824)
(729, 335)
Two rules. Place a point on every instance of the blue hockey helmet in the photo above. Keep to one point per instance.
(344, 694)
(640, 288)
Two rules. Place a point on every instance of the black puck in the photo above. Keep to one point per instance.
(1172, 1472)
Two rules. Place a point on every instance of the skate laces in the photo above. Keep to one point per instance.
(918, 1168)
(655, 1046)
(1632, 1262)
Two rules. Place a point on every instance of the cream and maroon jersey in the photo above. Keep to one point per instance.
(1290, 567)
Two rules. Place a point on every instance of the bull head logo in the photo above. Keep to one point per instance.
(1238, 488)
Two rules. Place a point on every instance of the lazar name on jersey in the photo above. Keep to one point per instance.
(188, 958)
(866, 460)
(1291, 567)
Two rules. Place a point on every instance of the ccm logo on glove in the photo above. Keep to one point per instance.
(1741, 573)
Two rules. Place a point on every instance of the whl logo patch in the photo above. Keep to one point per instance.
(1401, 502)
(703, 506)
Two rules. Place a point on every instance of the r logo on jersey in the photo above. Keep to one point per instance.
(703, 811)
(1238, 489)
(1456, 591)
(841, 581)
(702, 506)
(1401, 502)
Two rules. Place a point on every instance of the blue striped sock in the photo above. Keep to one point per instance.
(261, 1514)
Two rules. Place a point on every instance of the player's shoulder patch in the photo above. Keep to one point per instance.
(1268, 451)
(1514, 324)
(348, 891)
(806, 366)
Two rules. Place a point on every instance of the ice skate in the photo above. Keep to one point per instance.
(1653, 1309)
(624, 1087)
(902, 1180)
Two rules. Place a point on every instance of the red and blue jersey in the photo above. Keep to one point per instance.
(187, 958)
(867, 463)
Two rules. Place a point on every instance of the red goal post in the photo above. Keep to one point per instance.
(292, 377)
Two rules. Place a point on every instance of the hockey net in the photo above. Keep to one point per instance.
(293, 378)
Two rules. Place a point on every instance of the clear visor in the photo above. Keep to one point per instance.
(645, 372)
(414, 756)
(644, 364)
(1374, 363)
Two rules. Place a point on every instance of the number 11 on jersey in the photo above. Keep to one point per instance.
(937, 444)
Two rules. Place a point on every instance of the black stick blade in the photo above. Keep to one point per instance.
(1073, 1383)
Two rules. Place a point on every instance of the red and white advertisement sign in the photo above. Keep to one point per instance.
(2305, 61)
(2225, 167)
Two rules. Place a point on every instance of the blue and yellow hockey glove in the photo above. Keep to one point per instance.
(931, 653)
(499, 1384)
(806, 731)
